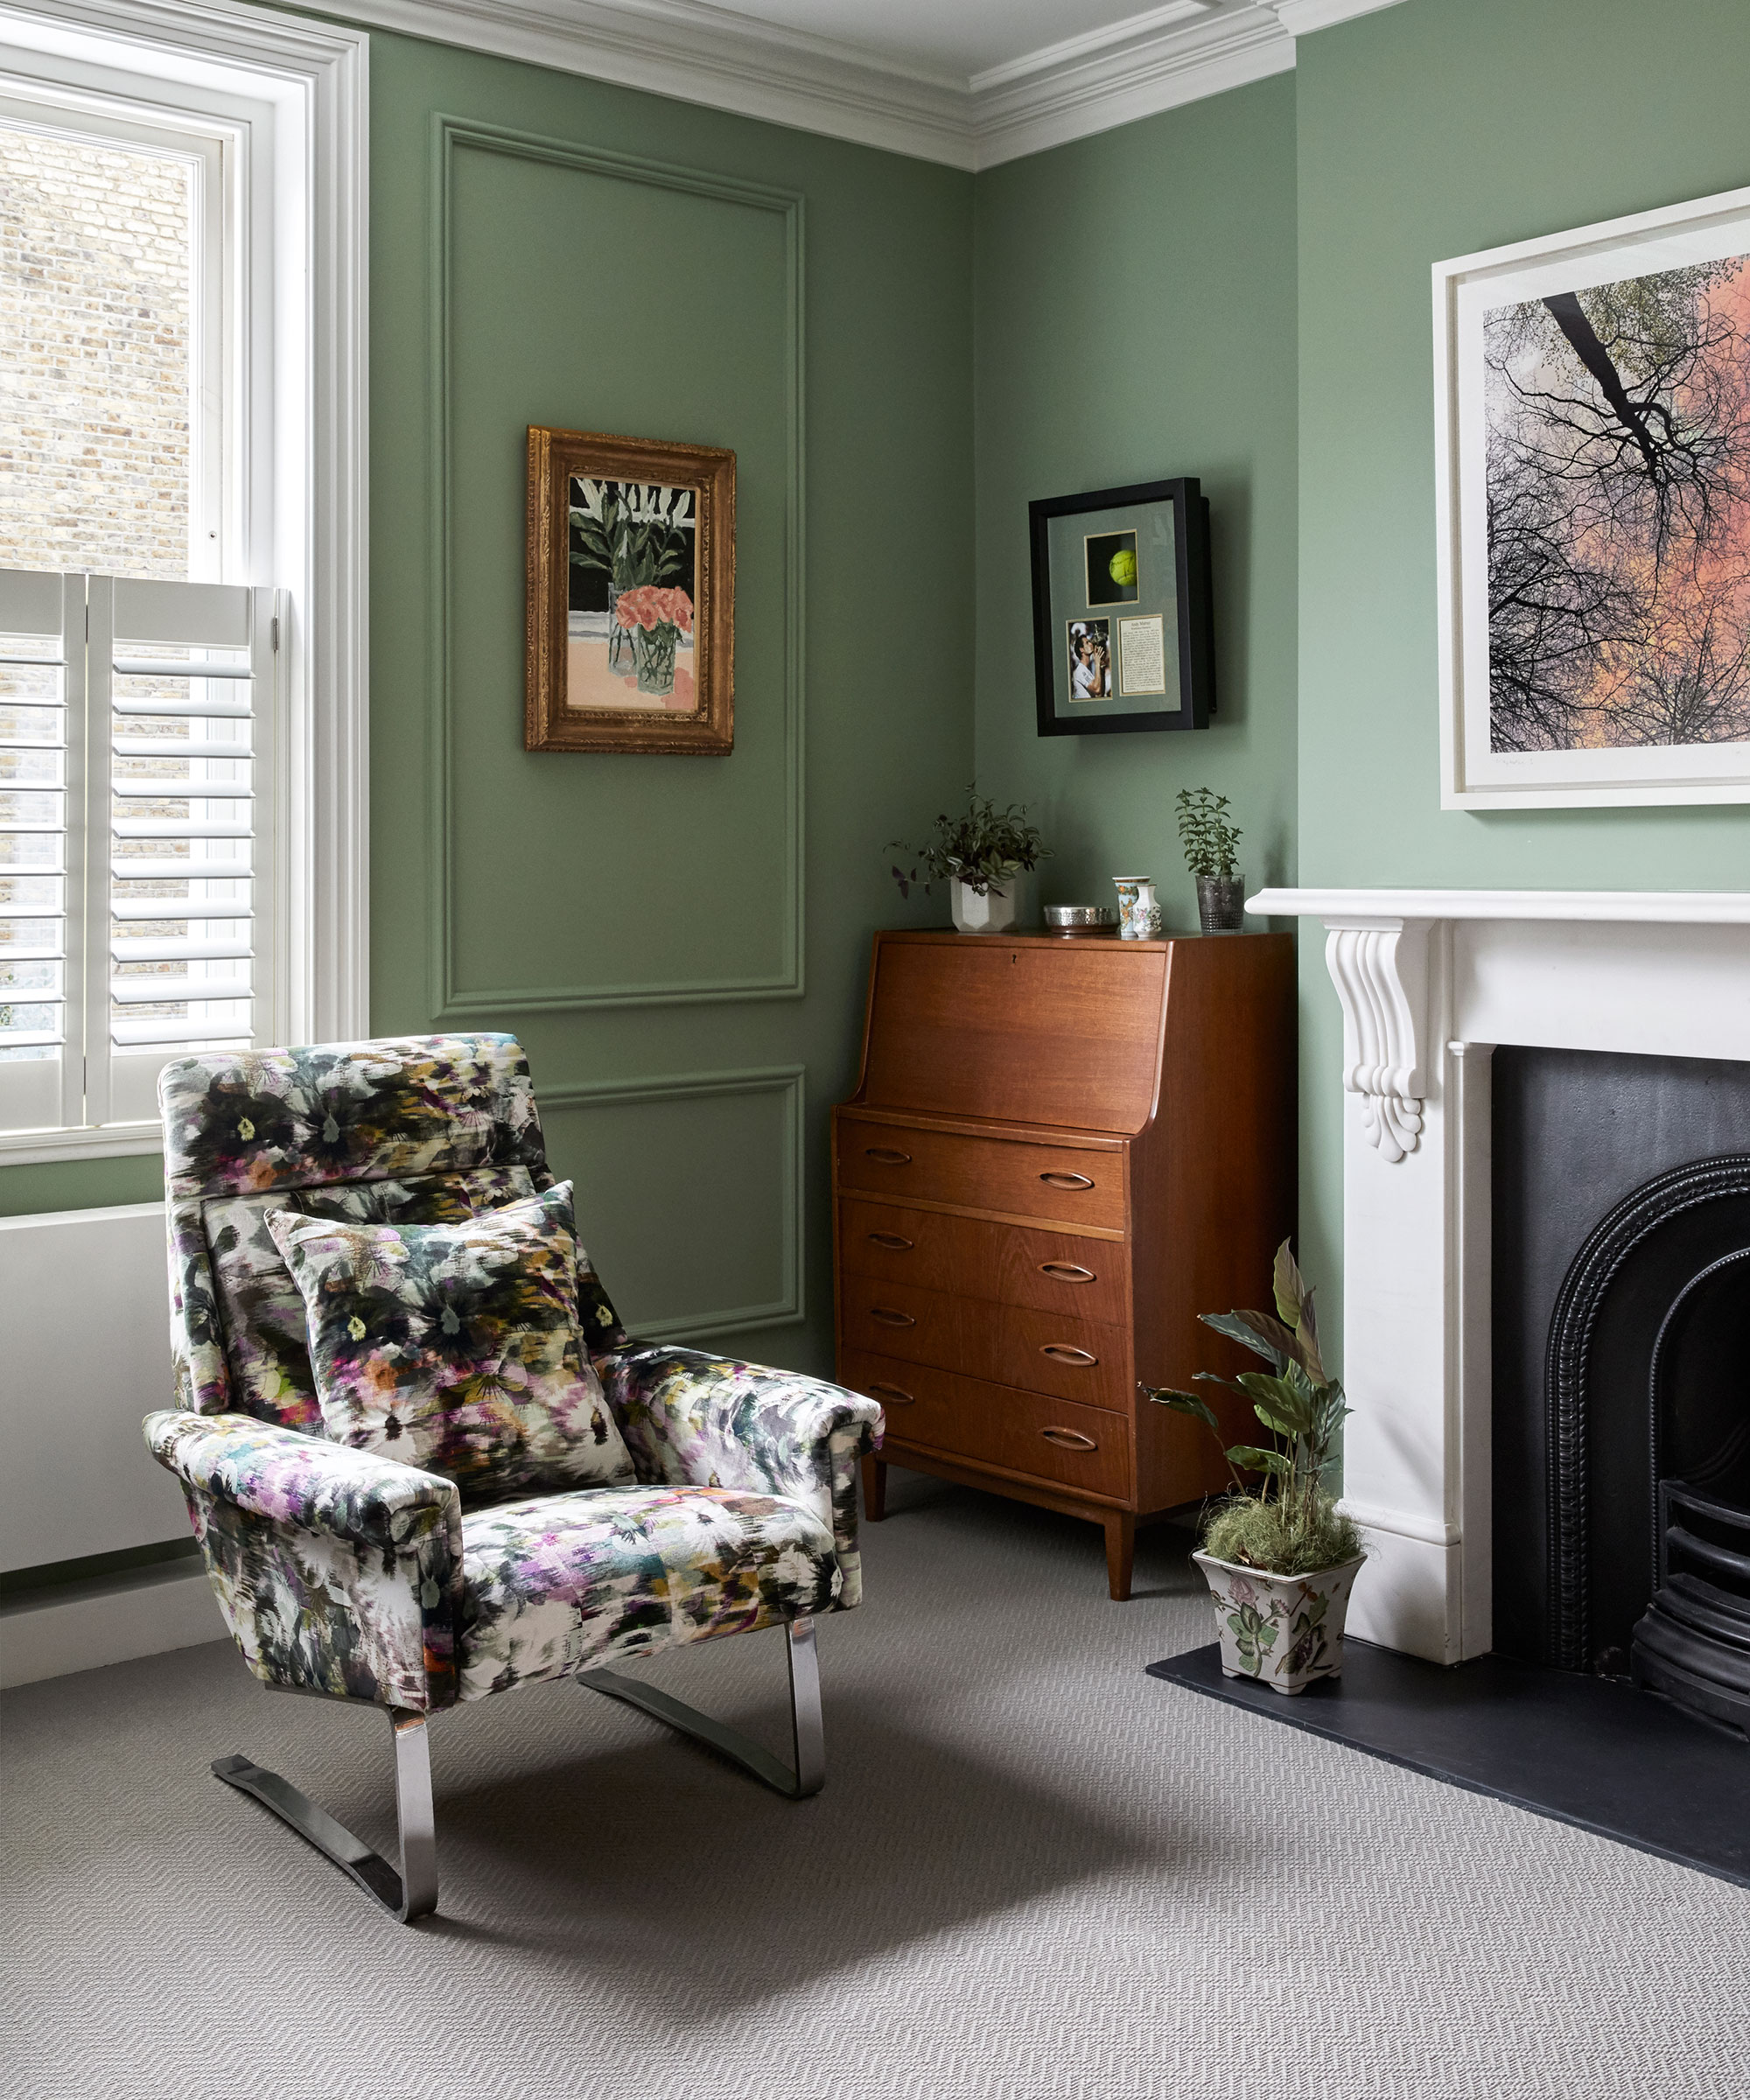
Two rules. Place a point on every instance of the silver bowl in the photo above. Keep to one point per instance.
(1080, 914)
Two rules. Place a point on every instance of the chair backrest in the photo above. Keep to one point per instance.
(413, 1129)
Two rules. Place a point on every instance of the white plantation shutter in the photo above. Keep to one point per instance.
(138, 854)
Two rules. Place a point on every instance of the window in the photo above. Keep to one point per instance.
(181, 527)
(137, 859)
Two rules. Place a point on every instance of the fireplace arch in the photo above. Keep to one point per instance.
(1638, 1311)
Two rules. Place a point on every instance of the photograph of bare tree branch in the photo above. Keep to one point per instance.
(1595, 513)
(1618, 513)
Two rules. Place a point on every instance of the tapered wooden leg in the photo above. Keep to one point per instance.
(874, 1488)
(1121, 1547)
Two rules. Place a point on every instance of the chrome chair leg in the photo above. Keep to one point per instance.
(807, 1735)
(411, 1894)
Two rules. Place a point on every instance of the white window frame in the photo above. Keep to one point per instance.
(294, 93)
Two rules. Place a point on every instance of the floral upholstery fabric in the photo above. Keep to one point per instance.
(710, 1422)
(455, 1347)
(344, 1571)
(337, 1571)
(261, 1309)
(281, 1120)
(570, 1582)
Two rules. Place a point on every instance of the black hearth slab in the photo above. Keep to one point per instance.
(1580, 1749)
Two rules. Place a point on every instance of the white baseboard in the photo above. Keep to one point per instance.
(90, 1624)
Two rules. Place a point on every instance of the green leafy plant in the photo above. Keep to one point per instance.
(1207, 834)
(633, 534)
(1291, 1525)
(984, 848)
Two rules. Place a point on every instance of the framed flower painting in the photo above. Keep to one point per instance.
(631, 636)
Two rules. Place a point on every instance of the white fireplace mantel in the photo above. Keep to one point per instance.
(1430, 982)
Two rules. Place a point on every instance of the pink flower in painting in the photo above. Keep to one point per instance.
(648, 615)
(683, 614)
(624, 612)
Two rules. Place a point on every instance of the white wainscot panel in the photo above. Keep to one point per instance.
(85, 1344)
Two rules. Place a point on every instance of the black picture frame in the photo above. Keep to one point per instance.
(1190, 608)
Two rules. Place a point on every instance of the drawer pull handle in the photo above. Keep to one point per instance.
(1070, 1439)
(891, 1239)
(1068, 1272)
(887, 1154)
(1066, 1180)
(891, 1392)
(1064, 1353)
(889, 1318)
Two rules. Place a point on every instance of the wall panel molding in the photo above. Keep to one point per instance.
(789, 1308)
(450, 1001)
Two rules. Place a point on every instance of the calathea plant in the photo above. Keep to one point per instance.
(984, 849)
(1290, 1525)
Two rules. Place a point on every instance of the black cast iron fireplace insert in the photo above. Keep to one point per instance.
(1622, 1486)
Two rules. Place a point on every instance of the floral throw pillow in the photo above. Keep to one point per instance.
(455, 1347)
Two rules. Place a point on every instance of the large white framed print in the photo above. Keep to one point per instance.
(1592, 479)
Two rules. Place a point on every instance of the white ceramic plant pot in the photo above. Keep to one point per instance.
(1285, 1631)
(993, 912)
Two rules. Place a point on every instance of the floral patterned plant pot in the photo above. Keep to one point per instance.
(1285, 1631)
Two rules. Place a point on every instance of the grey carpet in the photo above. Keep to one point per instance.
(1034, 1871)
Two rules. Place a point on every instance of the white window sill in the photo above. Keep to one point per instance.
(111, 1141)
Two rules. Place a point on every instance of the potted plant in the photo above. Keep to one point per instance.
(979, 855)
(1208, 836)
(1279, 1560)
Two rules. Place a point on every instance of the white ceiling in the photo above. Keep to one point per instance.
(968, 82)
(954, 41)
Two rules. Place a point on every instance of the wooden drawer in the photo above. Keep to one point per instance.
(1021, 1433)
(1082, 1360)
(1012, 1264)
(1009, 1175)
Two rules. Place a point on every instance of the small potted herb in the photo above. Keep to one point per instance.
(1280, 1561)
(978, 855)
(1209, 837)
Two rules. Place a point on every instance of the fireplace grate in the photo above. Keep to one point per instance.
(1693, 1644)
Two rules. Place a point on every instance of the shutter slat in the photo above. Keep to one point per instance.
(234, 709)
(172, 991)
(173, 950)
(133, 1035)
(176, 747)
(184, 870)
(143, 667)
(171, 827)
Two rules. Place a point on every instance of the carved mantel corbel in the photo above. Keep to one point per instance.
(1380, 969)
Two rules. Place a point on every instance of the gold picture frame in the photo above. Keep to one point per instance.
(631, 609)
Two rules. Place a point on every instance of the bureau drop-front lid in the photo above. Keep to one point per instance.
(1016, 1028)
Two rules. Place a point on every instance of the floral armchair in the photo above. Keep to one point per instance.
(346, 1573)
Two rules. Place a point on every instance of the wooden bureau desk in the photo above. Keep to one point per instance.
(1059, 1153)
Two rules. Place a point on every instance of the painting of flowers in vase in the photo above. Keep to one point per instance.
(631, 595)
(629, 620)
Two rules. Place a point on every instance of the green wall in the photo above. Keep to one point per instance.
(591, 257)
(1136, 314)
(1237, 288)
(1427, 131)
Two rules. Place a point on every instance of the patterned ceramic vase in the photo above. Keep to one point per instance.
(1285, 1631)
(993, 912)
(1138, 912)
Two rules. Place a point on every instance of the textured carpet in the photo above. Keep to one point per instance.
(1034, 1871)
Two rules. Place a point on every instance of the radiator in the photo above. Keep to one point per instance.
(84, 1353)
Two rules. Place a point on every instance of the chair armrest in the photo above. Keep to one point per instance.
(338, 1571)
(691, 1419)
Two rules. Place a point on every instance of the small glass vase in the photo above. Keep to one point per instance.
(1222, 904)
(655, 653)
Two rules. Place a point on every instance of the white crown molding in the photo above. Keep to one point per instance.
(1176, 51)
(1301, 17)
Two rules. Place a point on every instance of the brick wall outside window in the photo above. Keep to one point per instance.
(94, 338)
